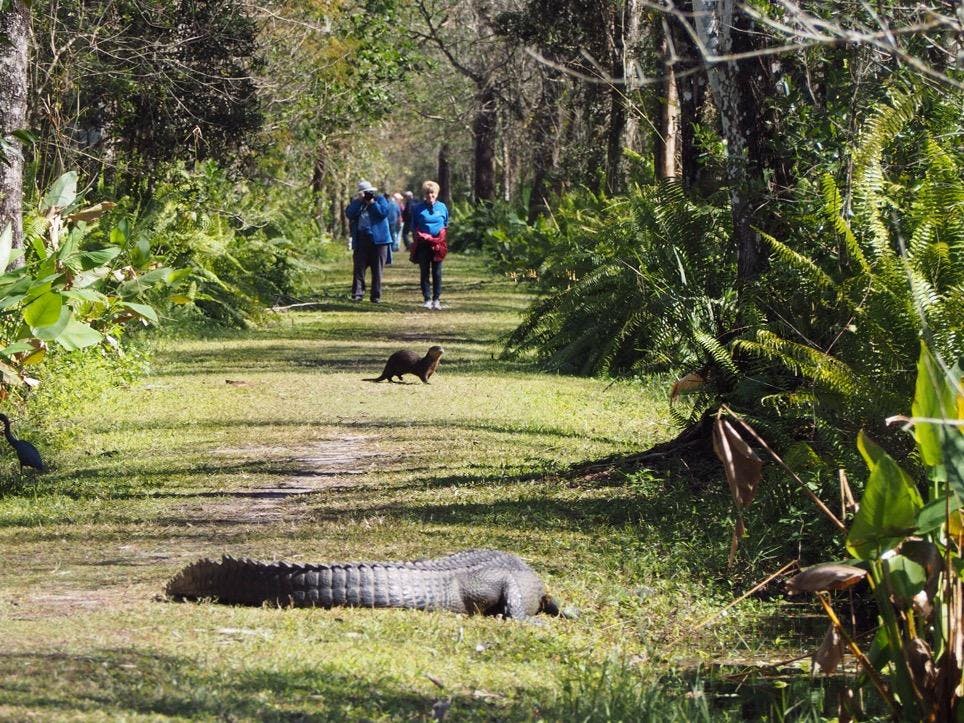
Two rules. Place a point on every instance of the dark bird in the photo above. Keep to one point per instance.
(27, 454)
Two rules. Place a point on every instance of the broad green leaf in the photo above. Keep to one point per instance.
(10, 300)
(143, 310)
(954, 459)
(16, 348)
(86, 295)
(140, 251)
(53, 330)
(888, 510)
(118, 234)
(44, 311)
(6, 246)
(62, 193)
(39, 248)
(934, 513)
(905, 577)
(78, 335)
(100, 257)
(175, 275)
(869, 450)
(933, 399)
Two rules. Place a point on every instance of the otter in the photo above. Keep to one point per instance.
(408, 362)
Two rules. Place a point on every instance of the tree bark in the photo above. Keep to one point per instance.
(318, 176)
(444, 175)
(624, 31)
(740, 120)
(14, 28)
(691, 95)
(547, 125)
(668, 135)
(484, 129)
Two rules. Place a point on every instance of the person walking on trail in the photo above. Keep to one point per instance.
(408, 204)
(367, 216)
(399, 202)
(430, 220)
(394, 219)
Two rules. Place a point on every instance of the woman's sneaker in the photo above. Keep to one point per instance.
(436, 304)
(428, 304)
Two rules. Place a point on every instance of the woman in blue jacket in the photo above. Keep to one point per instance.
(368, 217)
(430, 219)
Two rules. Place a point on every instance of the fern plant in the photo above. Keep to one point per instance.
(851, 293)
(635, 284)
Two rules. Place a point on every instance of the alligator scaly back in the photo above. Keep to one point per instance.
(475, 581)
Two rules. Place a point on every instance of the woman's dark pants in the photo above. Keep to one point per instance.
(366, 255)
(425, 263)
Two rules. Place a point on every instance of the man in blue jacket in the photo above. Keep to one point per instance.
(367, 216)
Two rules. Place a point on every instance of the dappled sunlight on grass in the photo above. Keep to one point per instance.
(268, 444)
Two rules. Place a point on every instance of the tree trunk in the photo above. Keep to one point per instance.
(444, 175)
(691, 95)
(318, 177)
(14, 28)
(484, 132)
(740, 121)
(624, 31)
(546, 123)
(669, 121)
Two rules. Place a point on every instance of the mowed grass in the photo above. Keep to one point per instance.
(176, 465)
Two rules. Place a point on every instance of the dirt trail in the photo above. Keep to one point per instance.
(329, 465)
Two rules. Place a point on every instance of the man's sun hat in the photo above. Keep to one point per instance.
(365, 186)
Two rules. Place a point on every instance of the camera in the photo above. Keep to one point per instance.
(369, 194)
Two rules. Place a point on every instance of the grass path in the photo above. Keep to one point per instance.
(268, 444)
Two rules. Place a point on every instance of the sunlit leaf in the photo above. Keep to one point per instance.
(100, 257)
(933, 399)
(78, 335)
(62, 193)
(142, 309)
(52, 331)
(44, 311)
(935, 513)
(905, 578)
(6, 246)
(889, 506)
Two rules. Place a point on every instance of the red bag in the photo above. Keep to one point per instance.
(438, 244)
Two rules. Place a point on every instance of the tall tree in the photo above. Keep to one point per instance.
(14, 31)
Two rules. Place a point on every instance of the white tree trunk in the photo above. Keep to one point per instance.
(13, 115)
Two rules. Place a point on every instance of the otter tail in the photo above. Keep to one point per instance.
(375, 379)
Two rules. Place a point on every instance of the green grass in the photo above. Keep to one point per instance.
(165, 469)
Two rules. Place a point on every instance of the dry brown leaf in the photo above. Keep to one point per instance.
(743, 467)
(91, 213)
(693, 380)
(830, 652)
(826, 577)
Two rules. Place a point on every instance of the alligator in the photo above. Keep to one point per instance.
(489, 582)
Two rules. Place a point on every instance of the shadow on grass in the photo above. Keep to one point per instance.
(115, 684)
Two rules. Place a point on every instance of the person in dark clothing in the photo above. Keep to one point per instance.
(430, 219)
(367, 216)
(407, 205)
